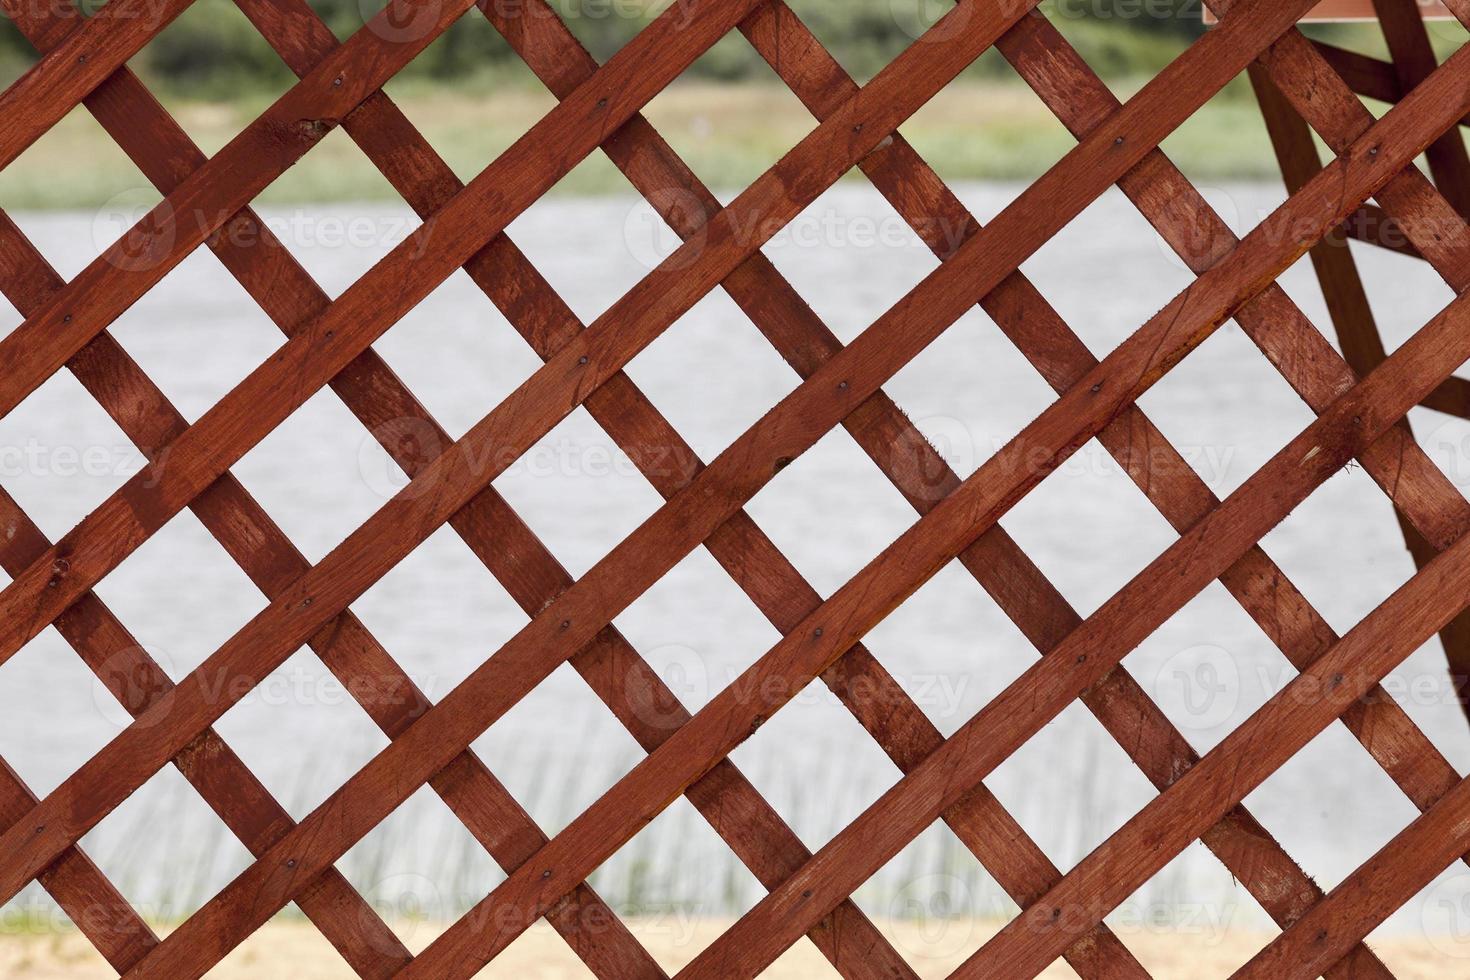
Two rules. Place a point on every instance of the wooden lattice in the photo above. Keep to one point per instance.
(1361, 400)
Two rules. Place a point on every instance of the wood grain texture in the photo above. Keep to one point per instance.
(83, 61)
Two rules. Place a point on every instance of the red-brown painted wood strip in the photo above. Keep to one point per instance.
(165, 153)
(1027, 945)
(95, 906)
(1265, 741)
(845, 616)
(374, 557)
(63, 76)
(1387, 880)
(1413, 58)
(324, 346)
(1143, 731)
(280, 136)
(777, 589)
(457, 475)
(1308, 363)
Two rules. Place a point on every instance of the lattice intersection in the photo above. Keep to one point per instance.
(1361, 399)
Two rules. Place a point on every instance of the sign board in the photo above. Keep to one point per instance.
(1350, 10)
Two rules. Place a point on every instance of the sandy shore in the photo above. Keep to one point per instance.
(294, 949)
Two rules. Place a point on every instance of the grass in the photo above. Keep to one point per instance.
(728, 133)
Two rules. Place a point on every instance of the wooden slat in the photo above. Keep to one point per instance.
(98, 910)
(280, 136)
(1255, 749)
(456, 475)
(326, 345)
(370, 553)
(54, 85)
(917, 554)
(1399, 870)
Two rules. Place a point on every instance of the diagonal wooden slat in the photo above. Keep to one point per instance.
(455, 476)
(1218, 59)
(1404, 866)
(939, 536)
(98, 910)
(1260, 745)
(778, 589)
(389, 695)
(53, 86)
(211, 195)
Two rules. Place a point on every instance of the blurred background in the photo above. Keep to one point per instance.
(849, 256)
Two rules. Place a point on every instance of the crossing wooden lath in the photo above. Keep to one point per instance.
(1360, 398)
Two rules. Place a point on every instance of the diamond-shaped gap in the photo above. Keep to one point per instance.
(196, 334)
(61, 455)
(1331, 806)
(287, 945)
(1224, 142)
(1343, 548)
(729, 133)
(558, 749)
(319, 475)
(1088, 527)
(1070, 786)
(1404, 292)
(1107, 272)
(968, 393)
(934, 901)
(709, 407)
(469, 94)
(591, 238)
(851, 256)
(165, 849)
(54, 713)
(457, 355)
(180, 595)
(950, 648)
(865, 36)
(210, 52)
(987, 126)
(815, 765)
(1209, 667)
(696, 629)
(439, 613)
(74, 165)
(831, 512)
(1225, 410)
(579, 491)
(420, 868)
(300, 732)
(1192, 918)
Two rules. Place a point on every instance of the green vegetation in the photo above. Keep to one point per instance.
(729, 116)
